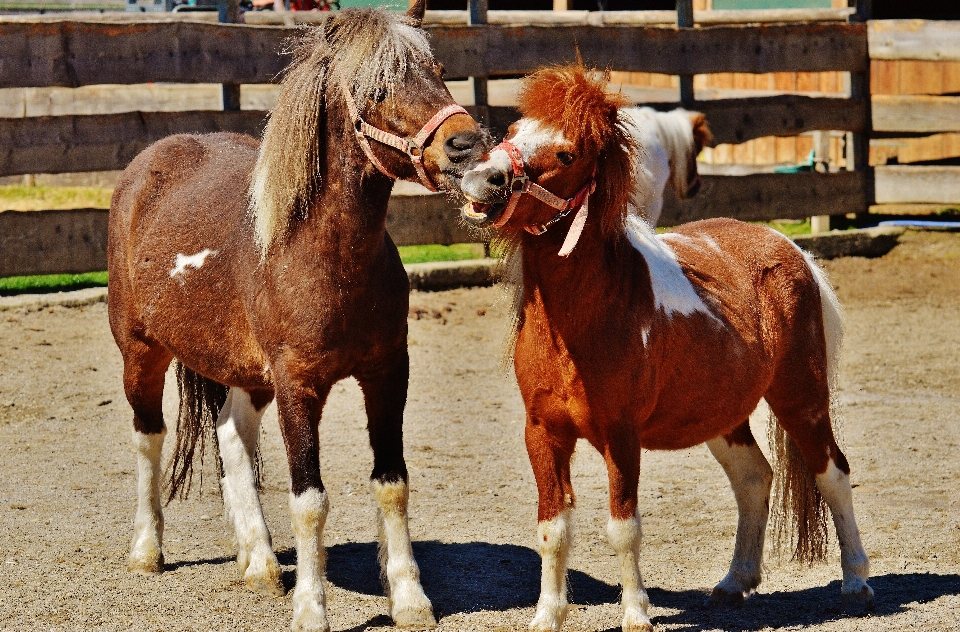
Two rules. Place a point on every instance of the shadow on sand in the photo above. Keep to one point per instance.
(474, 576)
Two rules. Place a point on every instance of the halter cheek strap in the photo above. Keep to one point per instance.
(520, 184)
(412, 146)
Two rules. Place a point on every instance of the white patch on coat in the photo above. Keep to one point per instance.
(409, 605)
(672, 290)
(191, 261)
(554, 540)
(750, 478)
(624, 536)
(146, 553)
(834, 486)
(238, 432)
(308, 513)
(667, 140)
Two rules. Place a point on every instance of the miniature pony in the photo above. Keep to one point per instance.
(632, 340)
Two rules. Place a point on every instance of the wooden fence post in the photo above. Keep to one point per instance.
(478, 15)
(858, 143)
(228, 12)
(685, 20)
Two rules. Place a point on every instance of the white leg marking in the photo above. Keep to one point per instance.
(554, 538)
(308, 513)
(146, 553)
(409, 605)
(624, 536)
(238, 428)
(750, 477)
(834, 486)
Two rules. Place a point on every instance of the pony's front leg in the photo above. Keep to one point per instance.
(550, 457)
(299, 407)
(750, 477)
(238, 429)
(385, 396)
(623, 528)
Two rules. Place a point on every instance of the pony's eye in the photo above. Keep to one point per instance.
(566, 158)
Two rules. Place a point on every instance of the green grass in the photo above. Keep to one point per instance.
(790, 228)
(456, 252)
(17, 197)
(44, 283)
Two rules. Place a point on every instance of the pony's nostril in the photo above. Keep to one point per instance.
(460, 145)
(496, 178)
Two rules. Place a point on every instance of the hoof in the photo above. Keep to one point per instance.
(547, 621)
(636, 621)
(148, 565)
(858, 601)
(414, 618)
(310, 621)
(265, 581)
(722, 598)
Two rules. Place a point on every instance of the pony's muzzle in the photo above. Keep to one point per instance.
(486, 188)
(464, 147)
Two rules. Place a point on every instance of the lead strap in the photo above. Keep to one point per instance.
(576, 227)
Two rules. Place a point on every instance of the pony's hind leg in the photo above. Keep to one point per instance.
(385, 396)
(144, 367)
(550, 457)
(623, 529)
(238, 430)
(750, 477)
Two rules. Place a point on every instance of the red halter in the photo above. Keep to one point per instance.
(412, 146)
(579, 201)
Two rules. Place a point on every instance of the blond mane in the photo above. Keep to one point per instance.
(371, 52)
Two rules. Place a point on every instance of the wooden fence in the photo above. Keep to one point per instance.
(74, 53)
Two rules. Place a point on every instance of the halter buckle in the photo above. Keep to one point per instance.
(414, 150)
(523, 179)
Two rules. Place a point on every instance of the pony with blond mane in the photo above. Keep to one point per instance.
(265, 271)
(632, 340)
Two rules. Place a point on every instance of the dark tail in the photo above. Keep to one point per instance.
(200, 402)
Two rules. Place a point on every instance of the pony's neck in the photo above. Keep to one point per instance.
(578, 287)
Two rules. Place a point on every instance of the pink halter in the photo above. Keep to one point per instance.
(412, 146)
(580, 201)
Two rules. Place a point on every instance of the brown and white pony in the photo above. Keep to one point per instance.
(671, 142)
(632, 340)
(266, 268)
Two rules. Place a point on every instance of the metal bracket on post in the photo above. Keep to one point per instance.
(228, 12)
(685, 20)
(477, 16)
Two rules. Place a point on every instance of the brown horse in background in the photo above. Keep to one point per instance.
(266, 268)
(632, 340)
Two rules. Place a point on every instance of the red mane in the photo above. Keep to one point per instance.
(575, 100)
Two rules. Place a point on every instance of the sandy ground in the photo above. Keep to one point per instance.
(67, 485)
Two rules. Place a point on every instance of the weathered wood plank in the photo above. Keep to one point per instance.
(494, 50)
(903, 184)
(427, 219)
(928, 114)
(930, 40)
(739, 120)
(767, 196)
(66, 144)
(73, 54)
(53, 242)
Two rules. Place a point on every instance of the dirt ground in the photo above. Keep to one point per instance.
(67, 484)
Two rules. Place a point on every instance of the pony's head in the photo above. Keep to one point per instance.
(570, 134)
(683, 134)
(378, 64)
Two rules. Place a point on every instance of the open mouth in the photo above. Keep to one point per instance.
(481, 213)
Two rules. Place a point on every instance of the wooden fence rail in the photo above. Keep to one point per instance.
(74, 53)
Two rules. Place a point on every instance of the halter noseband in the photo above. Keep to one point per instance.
(412, 146)
(579, 201)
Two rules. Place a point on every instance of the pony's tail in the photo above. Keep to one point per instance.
(200, 402)
(799, 513)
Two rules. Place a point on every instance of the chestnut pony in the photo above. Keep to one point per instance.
(266, 268)
(632, 340)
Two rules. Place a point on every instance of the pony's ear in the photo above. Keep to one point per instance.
(416, 11)
(702, 135)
